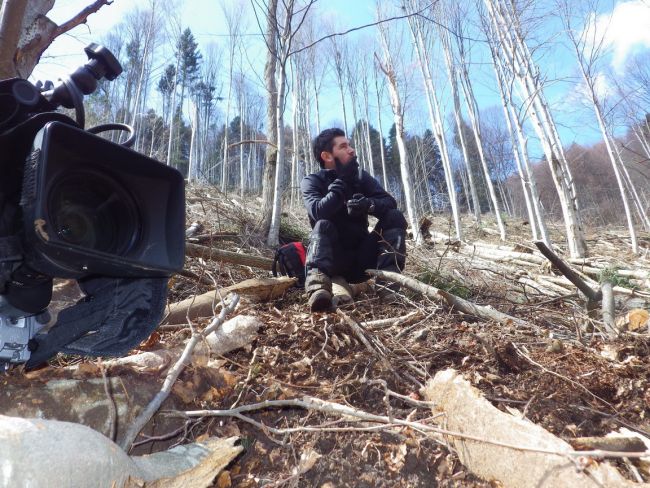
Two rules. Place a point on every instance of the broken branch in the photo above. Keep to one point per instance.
(458, 303)
(566, 270)
(172, 375)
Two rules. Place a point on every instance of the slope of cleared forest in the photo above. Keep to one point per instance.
(554, 364)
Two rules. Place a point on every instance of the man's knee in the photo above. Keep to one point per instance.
(325, 227)
(393, 219)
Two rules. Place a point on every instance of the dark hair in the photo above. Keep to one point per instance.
(325, 142)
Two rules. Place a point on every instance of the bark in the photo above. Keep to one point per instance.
(75, 455)
(436, 119)
(255, 290)
(271, 154)
(460, 304)
(566, 270)
(11, 19)
(26, 32)
(398, 117)
(510, 450)
(196, 251)
(472, 110)
(520, 62)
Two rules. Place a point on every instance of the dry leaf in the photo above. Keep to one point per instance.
(307, 461)
(224, 481)
(395, 460)
(201, 354)
(151, 341)
(185, 391)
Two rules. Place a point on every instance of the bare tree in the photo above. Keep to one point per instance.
(26, 32)
(512, 46)
(435, 116)
(387, 65)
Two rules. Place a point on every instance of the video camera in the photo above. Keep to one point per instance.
(75, 205)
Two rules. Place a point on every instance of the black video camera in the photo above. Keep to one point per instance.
(75, 205)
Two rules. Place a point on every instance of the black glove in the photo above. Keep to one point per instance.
(359, 205)
(338, 186)
(348, 172)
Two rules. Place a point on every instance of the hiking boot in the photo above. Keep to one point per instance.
(319, 288)
(320, 301)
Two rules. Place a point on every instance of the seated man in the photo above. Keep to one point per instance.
(338, 200)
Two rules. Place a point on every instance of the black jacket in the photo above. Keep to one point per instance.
(324, 205)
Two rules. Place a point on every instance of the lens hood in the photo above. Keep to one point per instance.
(93, 207)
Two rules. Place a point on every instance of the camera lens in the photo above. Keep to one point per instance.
(93, 211)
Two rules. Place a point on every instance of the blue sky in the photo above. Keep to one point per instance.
(628, 31)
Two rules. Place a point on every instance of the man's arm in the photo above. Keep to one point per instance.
(381, 198)
(322, 201)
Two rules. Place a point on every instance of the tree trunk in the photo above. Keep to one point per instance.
(271, 155)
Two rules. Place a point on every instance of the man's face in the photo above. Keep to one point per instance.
(342, 150)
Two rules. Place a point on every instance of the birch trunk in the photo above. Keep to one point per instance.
(398, 117)
(514, 47)
(472, 109)
(271, 154)
(473, 204)
(436, 119)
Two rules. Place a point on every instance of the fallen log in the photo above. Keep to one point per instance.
(460, 304)
(512, 451)
(39, 452)
(255, 289)
(210, 253)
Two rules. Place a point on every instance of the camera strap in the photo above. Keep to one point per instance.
(116, 315)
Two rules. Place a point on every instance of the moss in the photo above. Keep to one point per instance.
(445, 283)
(611, 274)
(291, 232)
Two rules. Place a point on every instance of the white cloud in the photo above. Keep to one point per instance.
(625, 29)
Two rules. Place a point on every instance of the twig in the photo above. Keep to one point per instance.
(153, 406)
(359, 333)
(315, 404)
(458, 303)
(112, 409)
(395, 321)
(574, 383)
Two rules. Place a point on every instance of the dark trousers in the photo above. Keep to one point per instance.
(348, 252)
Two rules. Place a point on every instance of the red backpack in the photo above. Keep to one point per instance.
(291, 259)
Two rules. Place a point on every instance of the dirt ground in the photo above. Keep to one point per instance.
(571, 381)
(559, 372)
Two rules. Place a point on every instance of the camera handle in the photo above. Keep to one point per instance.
(83, 81)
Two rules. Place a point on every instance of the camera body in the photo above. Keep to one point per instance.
(75, 205)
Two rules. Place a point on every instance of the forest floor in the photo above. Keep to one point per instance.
(561, 372)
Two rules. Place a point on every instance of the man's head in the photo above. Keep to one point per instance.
(330, 145)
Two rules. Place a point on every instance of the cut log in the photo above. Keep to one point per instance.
(237, 332)
(460, 304)
(255, 289)
(42, 452)
(505, 452)
(608, 308)
(210, 253)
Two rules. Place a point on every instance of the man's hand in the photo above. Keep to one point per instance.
(348, 172)
(338, 186)
(359, 205)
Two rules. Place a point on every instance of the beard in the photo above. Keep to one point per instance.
(349, 170)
